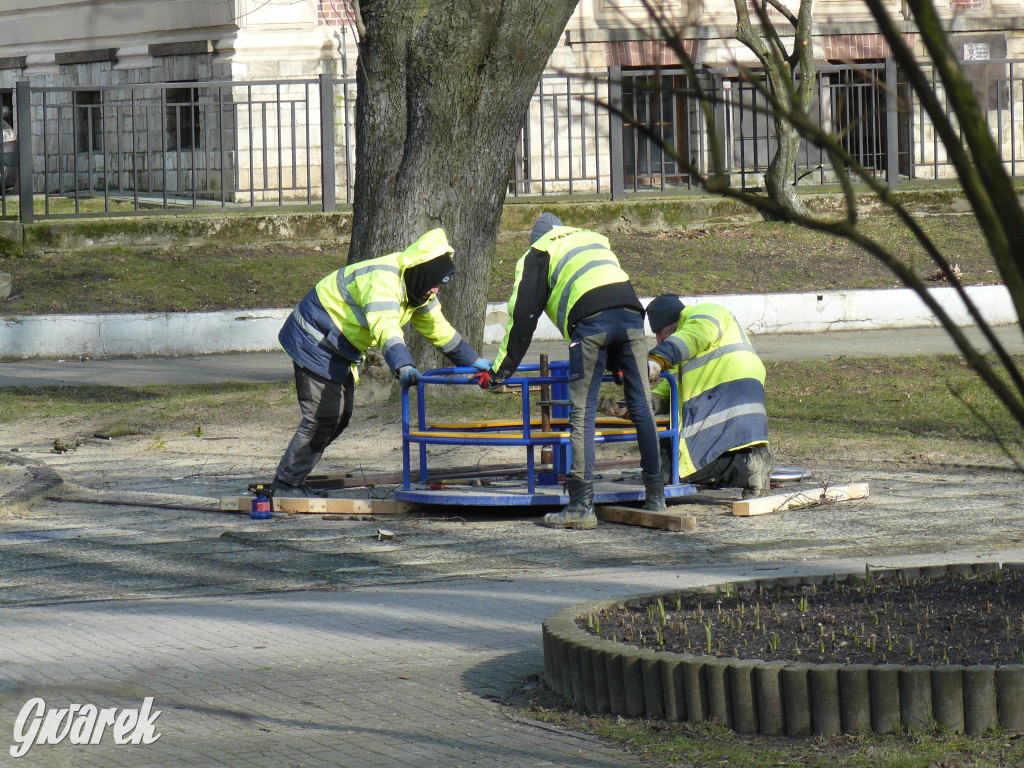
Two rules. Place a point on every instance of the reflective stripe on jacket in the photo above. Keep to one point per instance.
(721, 389)
(365, 305)
(578, 261)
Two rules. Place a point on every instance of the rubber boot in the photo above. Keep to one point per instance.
(654, 487)
(760, 462)
(579, 512)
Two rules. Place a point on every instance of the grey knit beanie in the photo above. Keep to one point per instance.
(544, 224)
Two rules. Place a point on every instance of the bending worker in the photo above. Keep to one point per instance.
(724, 440)
(361, 306)
(573, 276)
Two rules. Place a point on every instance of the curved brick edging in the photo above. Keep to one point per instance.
(43, 480)
(779, 697)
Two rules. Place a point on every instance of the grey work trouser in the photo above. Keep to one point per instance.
(610, 340)
(326, 408)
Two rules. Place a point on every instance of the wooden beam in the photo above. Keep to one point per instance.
(319, 506)
(392, 507)
(668, 521)
(806, 498)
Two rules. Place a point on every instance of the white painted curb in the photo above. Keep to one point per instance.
(197, 333)
(167, 335)
(816, 312)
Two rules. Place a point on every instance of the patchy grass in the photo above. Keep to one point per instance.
(855, 410)
(765, 257)
(749, 258)
(111, 411)
(159, 279)
(891, 406)
(700, 745)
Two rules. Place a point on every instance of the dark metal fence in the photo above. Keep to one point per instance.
(852, 101)
(563, 145)
(879, 120)
(164, 146)
(209, 146)
(999, 87)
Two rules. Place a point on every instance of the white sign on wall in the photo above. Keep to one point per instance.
(976, 52)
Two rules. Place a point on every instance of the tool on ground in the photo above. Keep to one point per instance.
(263, 501)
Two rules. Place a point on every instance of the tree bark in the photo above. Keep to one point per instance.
(785, 85)
(443, 88)
(778, 178)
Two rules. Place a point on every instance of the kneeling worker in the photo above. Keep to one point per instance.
(724, 439)
(573, 276)
(361, 306)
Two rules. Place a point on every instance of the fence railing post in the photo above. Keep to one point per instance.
(615, 168)
(328, 172)
(23, 101)
(892, 142)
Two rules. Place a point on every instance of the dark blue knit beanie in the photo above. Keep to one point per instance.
(663, 311)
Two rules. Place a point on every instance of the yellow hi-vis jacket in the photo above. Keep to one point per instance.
(365, 305)
(578, 261)
(721, 385)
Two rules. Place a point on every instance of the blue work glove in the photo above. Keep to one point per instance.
(408, 375)
(482, 364)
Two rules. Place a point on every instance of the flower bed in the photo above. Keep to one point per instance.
(840, 677)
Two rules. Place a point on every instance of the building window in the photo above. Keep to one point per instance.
(654, 104)
(183, 131)
(858, 113)
(88, 121)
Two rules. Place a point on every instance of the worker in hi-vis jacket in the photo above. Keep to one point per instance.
(723, 420)
(361, 306)
(573, 276)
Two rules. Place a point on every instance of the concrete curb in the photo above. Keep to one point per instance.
(43, 480)
(772, 698)
(197, 333)
(817, 312)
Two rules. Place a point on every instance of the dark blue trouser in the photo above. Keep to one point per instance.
(610, 340)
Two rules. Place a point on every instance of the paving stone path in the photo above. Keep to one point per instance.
(308, 642)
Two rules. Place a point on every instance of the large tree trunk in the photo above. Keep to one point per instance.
(442, 92)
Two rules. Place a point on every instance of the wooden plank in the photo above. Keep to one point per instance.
(354, 479)
(291, 505)
(318, 506)
(392, 507)
(668, 521)
(805, 498)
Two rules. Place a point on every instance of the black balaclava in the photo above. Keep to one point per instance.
(426, 275)
(663, 311)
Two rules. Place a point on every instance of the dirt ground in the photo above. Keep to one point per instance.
(117, 530)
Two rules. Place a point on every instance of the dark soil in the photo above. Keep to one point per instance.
(950, 620)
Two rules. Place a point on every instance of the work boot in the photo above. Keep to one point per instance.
(654, 489)
(579, 512)
(282, 490)
(665, 455)
(760, 462)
